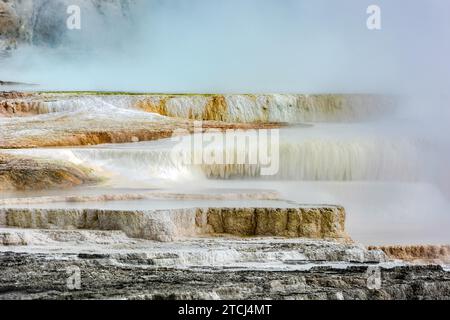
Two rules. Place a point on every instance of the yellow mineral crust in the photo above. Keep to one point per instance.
(320, 222)
(265, 107)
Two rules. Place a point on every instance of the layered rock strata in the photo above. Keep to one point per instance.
(168, 225)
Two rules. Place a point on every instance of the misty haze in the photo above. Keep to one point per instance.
(115, 126)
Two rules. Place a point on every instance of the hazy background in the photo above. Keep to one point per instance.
(248, 46)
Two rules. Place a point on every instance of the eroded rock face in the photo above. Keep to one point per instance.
(169, 225)
(21, 173)
(19, 108)
(418, 254)
(321, 222)
(11, 103)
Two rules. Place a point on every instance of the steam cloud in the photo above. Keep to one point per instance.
(245, 46)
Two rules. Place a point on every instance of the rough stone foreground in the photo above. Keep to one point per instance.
(22, 173)
(112, 265)
(169, 225)
(44, 276)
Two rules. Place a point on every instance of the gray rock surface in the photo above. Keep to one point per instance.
(82, 264)
(45, 276)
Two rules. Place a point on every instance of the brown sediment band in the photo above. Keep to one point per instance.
(85, 137)
(22, 173)
(171, 224)
(418, 253)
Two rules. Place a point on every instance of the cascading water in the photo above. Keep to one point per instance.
(229, 108)
(353, 164)
(288, 108)
(313, 159)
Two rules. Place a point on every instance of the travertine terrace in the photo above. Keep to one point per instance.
(87, 182)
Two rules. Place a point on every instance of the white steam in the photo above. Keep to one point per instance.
(244, 46)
